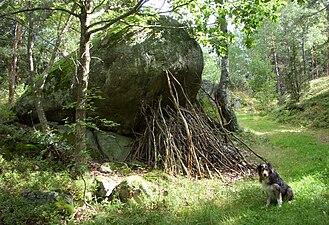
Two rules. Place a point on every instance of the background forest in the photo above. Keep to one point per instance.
(273, 60)
(265, 83)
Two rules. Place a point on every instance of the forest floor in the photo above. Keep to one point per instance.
(299, 155)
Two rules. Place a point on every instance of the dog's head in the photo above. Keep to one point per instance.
(264, 170)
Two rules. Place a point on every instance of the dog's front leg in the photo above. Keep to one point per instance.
(278, 194)
(268, 202)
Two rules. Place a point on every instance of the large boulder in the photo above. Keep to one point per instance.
(129, 69)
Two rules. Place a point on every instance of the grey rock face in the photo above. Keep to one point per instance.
(113, 146)
(46, 197)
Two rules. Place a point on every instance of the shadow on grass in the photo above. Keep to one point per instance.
(17, 210)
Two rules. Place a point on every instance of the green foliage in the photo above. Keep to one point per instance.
(292, 39)
(64, 207)
(313, 108)
(296, 154)
(251, 72)
(6, 114)
(17, 211)
(23, 174)
(19, 141)
(54, 145)
(251, 14)
(206, 18)
(266, 97)
(16, 141)
(211, 69)
(211, 202)
(239, 67)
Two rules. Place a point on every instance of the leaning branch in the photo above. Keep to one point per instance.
(173, 9)
(109, 23)
(39, 9)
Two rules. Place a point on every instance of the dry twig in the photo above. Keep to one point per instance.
(186, 140)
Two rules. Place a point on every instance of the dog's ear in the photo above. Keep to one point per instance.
(258, 168)
(270, 167)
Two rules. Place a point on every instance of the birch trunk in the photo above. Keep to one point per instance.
(277, 71)
(36, 92)
(13, 64)
(221, 94)
(82, 79)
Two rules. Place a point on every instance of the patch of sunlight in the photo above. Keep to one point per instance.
(309, 186)
(278, 131)
(317, 87)
(231, 220)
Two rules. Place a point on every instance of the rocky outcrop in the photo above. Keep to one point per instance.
(128, 69)
(45, 197)
(132, 187)
(104, 186)
(108, 146)
(111, 146)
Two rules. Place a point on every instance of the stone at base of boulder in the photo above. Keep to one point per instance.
(130, 188)
(104, 145)
(105, 186)
(114, 146)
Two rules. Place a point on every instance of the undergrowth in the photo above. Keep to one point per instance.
(297, 154)
(313, 108)
(300, 155)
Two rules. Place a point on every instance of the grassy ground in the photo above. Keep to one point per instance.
(301, 158)
(299, 155)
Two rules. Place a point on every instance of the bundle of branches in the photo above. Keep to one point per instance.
(186, 140)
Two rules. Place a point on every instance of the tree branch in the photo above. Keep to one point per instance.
(176, 7)
(40, 9)
(99, 5)
(152, 26)
(108, 23)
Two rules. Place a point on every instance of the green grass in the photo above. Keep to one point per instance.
(287, 144)
(298, 154)
(300, 158)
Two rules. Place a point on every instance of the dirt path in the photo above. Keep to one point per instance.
(296, 151)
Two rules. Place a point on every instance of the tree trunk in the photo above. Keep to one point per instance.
(304, 55)
(13, 64)
(11, 77)
(84, 67)
(315, 70)
(35, 90)
(39, 86)
(221, 94)
(82, 79)
(277, 71)
(327, 65)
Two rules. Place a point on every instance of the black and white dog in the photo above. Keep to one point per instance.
(273, 185)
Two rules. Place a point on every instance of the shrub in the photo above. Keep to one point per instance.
(6, 114)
